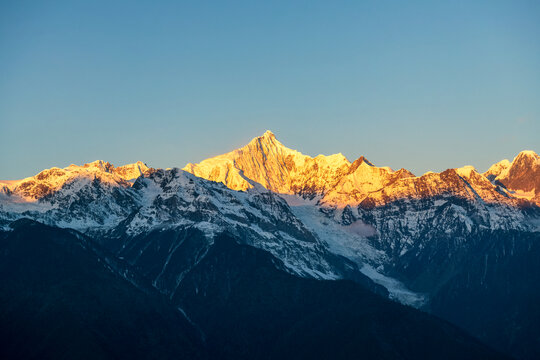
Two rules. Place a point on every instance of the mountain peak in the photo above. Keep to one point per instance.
(268, 162)
(528, 153)
(98, 164)
(497, 169)
(336, 182)
(268, 134)
(528, 156)
(521, 176)
(51, 180)
(466, 171)
(263, 142)
(132, 171)
(361, 160)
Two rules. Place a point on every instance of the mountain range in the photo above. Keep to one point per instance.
(264, 252)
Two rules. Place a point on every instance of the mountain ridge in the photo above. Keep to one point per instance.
(409, 238)
(331, 179)
(334, 181)
(50, 180)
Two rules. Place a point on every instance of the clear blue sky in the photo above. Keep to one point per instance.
(424, 85)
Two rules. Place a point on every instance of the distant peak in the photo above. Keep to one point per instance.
(466, 171)
(335, 157)
(526, 158)
(100, 164)
(96, 162)
(266, 136)
(361, 160)
(139, 164)
(267, 140)
(527, 153)
(268, 133)
(504, 162)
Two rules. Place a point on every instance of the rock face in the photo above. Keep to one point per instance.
(521, 177)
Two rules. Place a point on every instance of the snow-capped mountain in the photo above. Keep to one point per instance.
(360, 194)
(324, 217)
(265, 160)
(333, 181)
(95, 199)
(521, 177)
(82, 197)
(176, 200)
(63, 296)
(335, 208)
(51, 180)
(438, 231)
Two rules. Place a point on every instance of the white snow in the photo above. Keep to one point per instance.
(350, 242)
(396, 289)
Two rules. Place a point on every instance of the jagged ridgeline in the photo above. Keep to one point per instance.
(255, 247)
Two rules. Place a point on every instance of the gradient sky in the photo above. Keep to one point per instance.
(425, 85)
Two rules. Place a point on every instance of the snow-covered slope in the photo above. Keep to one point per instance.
(97, 200)
(361, 179)
(94, 195)
(265, 160)
(404, 216)
(464, 182)
(496, 169)
(324, 216)
(337, 186)
(334, 182)
(177, 199)
(350, 241)
(51, 180)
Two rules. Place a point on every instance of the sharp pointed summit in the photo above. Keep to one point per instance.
(267, 161)
(268, 134)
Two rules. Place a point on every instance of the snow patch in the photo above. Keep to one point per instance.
(397, 289)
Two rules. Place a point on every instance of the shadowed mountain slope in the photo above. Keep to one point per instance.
(250, 308)
(59, 300)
